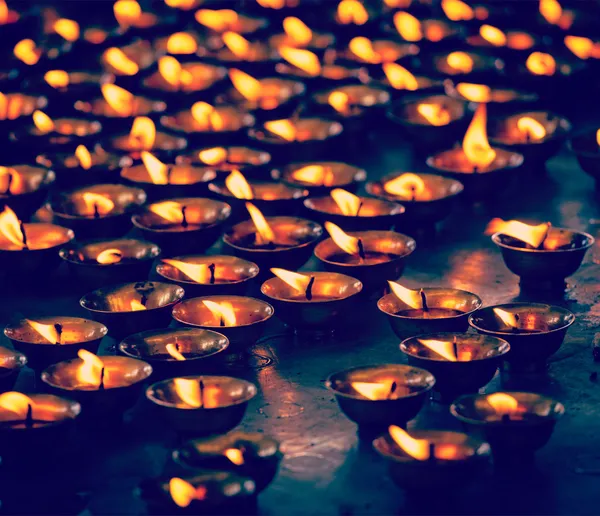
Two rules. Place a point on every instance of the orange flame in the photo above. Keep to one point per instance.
(47, 331)
(339, 101)
(551, 10)
(234, 455)
(540, 63)
(283, 128)
(213, 156)
(223, 312)
(416, 448)
(170, 70)
(475, 143)
(306, 60)
(399, 77)
(84, 157)
(3, 12)
(352, 12)
(218, 20)
(10, 227)
(174, 352)
(43, 122)
(532, 235)
(348, 203)
(236, 183)
(363, 48)
(198, 272)
(248, 86)
(207, 116)
(26, 51)
(237, 43)
(456, 10)
(442, 348)
(264, 233)
(502, 403)
(17, 403)
(408, 26)
(90, 371)
(460, 61)
(157, 170)
(272, 4)
(11, 180)
(374, 390)
(410, 297)
(582, 47)
(295, 280)
(118, 98)
(143, 133)
(127, 12)
(188, 391)
(297, 31)
(314, 174)
(474, 92)
(168, 210)
(57, 78)
(136, 306)
(345, 242)
(435, 114)
(508, 318)
(533, 129)
(97, 203)
(109, 256)
(116, 58)
(181, 43)
(183, 493)
(67, 29)
(598, 137)
(407, 185)
(493, 35)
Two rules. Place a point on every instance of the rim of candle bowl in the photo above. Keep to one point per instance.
(261, 458)
(105, 306)
(500, 97)
(41, 352)
(374, 277)
(421, 212)
(394, 48)
(541, 150)
(291, 257)
(141, 106)
(248, 271)
(455, 378)
(483, 64)
(375, 99)
(270, 197)
(68, 132)
(34, 182)
(440, 474)
(536, 266)
(164, 144)
(209, 214)
(331, 306)
(255, 165)
(183, 181)
(516, 438)
(201, 348)
(135, 261)
(373, 416)
(11, 363)
(204, 76)
(374, 213)
(126, 200)
(587, 151)
(437, 297)
(528, 351)
(192, 312)
(187, 419)
(342, 175)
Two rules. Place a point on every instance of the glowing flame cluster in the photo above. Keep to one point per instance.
(352, 12)
(96, 204)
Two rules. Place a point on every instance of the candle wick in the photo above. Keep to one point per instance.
(176, 344)
(431, 451)
(101, 384)
(59, 329)
(549, 224)
(184, 222)
(413, 190)
(143, 300)
(22, 227)
(29, 416)
(309, 287)
(96, 212)
(169, 170)
(393, 388)
(424, 305)
(361, 249)
(221, 322)
(360, 205)
(212, 268)
(10, 180)
(475, 169)
(201, 385)
(516, 328)
(506, 418)
(455, 347)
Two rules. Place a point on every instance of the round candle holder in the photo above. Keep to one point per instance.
(401, 393)
(465, 363)
(133, 307)
(319, 41)
(25, 188)
(517, 42)
(253, 163)
(201, 80)
(472, 64)
(65, 134)
(587, 151)
(101, 262)
(386, 253)
(98, 211)
(104, 402)
(195, 232)
(251, 316)
(68, 335)
(424, 84)
(19, 107)
(439, 198)
(61, 86)
(319, 178)
(298, 238)
(540, 267)
(512, 436)
(539, 334)
(135, 49)
(332, 299)
(498, 98)
(448, 311)
(469, 460)
(201, 349)
(232, 275)
(260, 58)
(332, 74)
(11, 363)
(222, 403)
(385, 50)
(260, 454)
(164, 144)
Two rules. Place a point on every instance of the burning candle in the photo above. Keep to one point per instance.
(460, 63)
(251, 162)
(490, 36)
(584, 48)
(128, 60)
(352, 100)
(401, 80)
(351, 12)
(11, 363)
(413, 30)
(552, 12)
(322, 177)
(474, 92)
(188, 43)
(241, 319)
(190, 77)
(223, 20)
(24, 188)
(183, 224)
(202, 405)
(372, 53)
(297, 34)
(373, 257)
(15, 106)
(238, 50)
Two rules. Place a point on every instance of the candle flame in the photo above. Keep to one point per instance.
(198, 272)
(598, 137)
(97, 203)
(43, 122)
(272, 4)
(408, 26)
(363, 48)
(9, 176)
(520, 41)
(540, 63)
(416, 448)
(348, 203)
(118, 98)
(315, 174)
(218, 20)
(340, 101)
(532, 235)
(305, 60)
(435, 114)
(352, 12)
(143, 133)
(407, 185)
(3, 12)
(264, 233)
(188, 391)
(295, 280)
(582, 47)
(157, 170)
(442, 348)
(345, 242)
(170, 70)
(399, 77)
(207, 116)
(236, 183)
(26, 51)
(297, 31)
(17, 403)
(127, 12)
(245, 84)
(10, 227)
(410, 297)
(183, 493)
(213, 156)
(84, 157)
(57, 78)
(492, 35)
(374, 390)
(47, 331)
(533, 129)
(174, 352)
(116, 58)
(136, 306)
(181, 43)
(168, 210)
(223, 312)
(283, 128)
(475, 143)
(502, 403)
(109, 256)
(460, 61)
(551, 10)
(238, 44)
(456, 10)
(90, 370)
(234, 455)
(68, 29)
(474, 92)
(508, 318)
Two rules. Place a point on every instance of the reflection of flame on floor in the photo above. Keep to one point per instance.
(471, 270)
